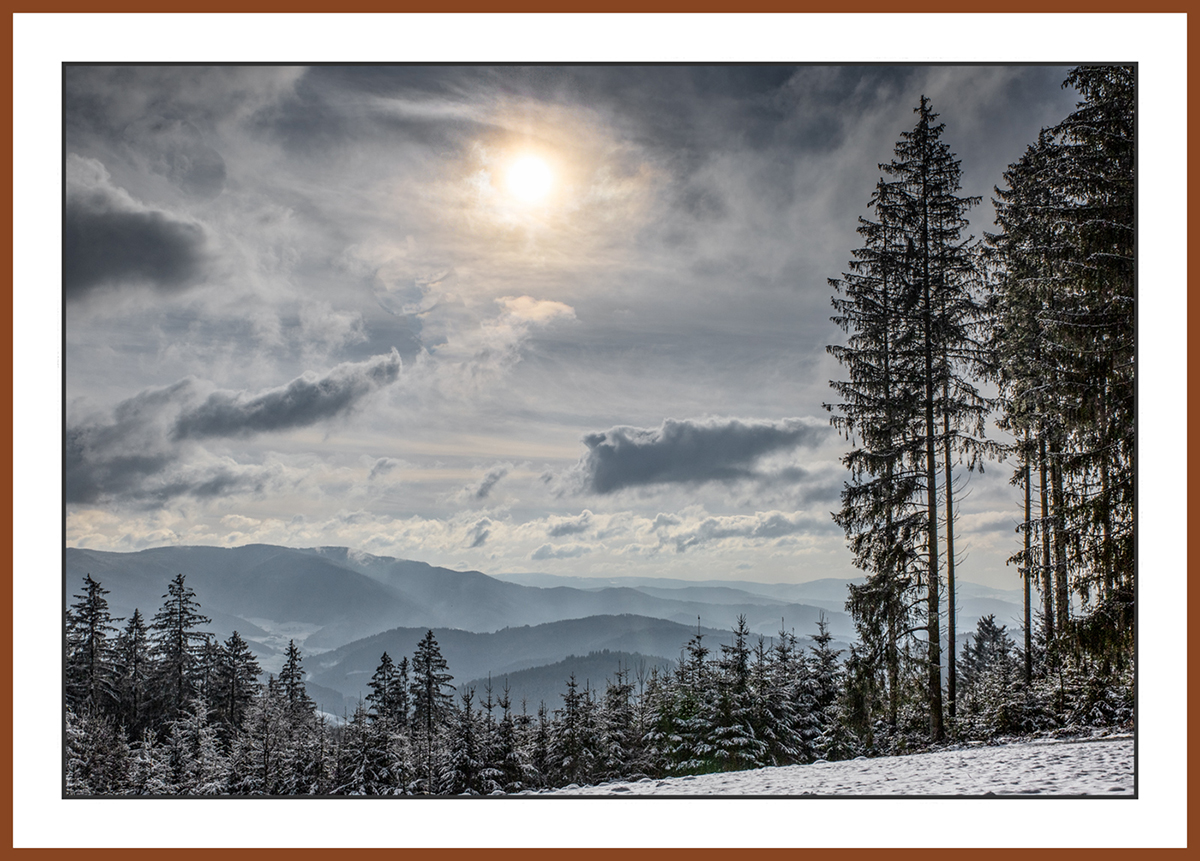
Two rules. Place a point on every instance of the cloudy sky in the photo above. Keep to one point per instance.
(561, 319)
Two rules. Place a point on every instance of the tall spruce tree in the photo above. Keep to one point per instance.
(1065, 352)
(1023, 255)
(878, 414)
(1095, 329)
(302, 764)
(689, 746)
(574, 741)
(432, 706)
(914, 343)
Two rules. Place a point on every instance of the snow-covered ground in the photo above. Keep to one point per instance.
(1102, 766)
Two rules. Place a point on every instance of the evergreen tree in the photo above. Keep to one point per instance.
(573, 742)
(369, 760)
(291, 681)
(492, 774)
(514, 773)
(131, 663)
(827, 685)
(661, 721)
(302, 761)
(177, 642)
(1065, 352)
(149, 771)
(620, 741)
(383, 701)
(1095, 330)
(400, 707)
(235, 686)
(879, 414)
(194, 764)
(463, 771)
(735, 744)
(97, 756)
(432, 706)
(540, 756)
(692, 750)
(989, 648)
(90, 676)
(255, 761)
(914, 348)
(997, 701)
(784, 719)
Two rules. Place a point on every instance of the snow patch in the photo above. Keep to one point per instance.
(1102, 766)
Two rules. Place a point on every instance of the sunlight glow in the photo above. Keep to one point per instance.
(529, 178)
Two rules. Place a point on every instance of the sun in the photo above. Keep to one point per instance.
(529, 179)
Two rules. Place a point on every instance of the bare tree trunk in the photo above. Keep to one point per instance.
(1028, 567)
(1061, 587)
(1047, 575)
(937, 729)
(951, 682)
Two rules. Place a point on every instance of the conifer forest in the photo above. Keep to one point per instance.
(949, 338)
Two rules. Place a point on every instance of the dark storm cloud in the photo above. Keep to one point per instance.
(108, 241)
(213, 483)
(687, 451)
(304, 401)
(143, 453)
(130, 458)
(115, 458)
(90, 473)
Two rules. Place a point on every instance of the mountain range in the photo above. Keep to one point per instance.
(345, 608)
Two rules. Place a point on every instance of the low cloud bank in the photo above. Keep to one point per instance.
(687, 451)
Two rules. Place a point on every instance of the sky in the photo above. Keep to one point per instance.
(321, 306)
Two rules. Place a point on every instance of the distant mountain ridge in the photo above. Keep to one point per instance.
(472, 656)
(346, 596)
(345, 608)
(973, 599)
(547, 683)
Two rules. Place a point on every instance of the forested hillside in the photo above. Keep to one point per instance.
(162, 708)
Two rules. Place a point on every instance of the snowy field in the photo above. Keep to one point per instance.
(1102, 766)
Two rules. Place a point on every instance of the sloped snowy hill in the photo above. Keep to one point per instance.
(1101, 766)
